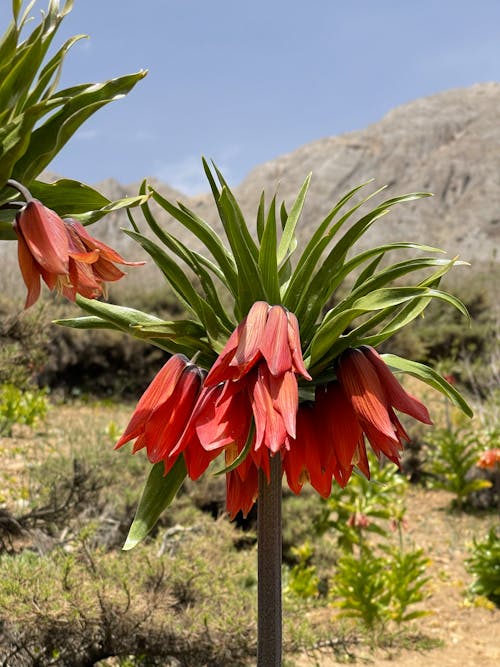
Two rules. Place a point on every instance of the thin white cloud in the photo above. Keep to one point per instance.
(87, 134)
(187, 175)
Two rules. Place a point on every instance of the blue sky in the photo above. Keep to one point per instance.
(245, 81)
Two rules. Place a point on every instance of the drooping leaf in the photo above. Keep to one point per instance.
(158, 493)
(430, 377)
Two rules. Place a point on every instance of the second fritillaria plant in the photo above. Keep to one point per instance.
(275, 382)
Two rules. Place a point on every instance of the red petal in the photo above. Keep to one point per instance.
(107, 271)
(30, 270)
(220, 371)
(295, 346)
(159, 391)
(274, 344)
(285, 395)
(198, 459)
(250, 337)
(341, 424)
(398, 397)
(45, 236)
(241, 496)
(362, 387)
(105, 251)
(269, 425)
(166, 424)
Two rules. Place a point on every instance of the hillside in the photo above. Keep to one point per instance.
(447, 144)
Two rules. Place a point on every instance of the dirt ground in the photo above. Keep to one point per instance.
(469, 630)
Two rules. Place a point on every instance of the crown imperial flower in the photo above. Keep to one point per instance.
(269, 333)
(63, 254)
(372, 393)
(162, 416)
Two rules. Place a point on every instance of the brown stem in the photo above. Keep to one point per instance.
(269, 641)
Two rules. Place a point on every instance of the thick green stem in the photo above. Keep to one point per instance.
(269, 568)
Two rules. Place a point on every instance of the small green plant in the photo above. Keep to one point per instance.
(484, 565)
(21, 407)
(364, 505)
(303, 580)
(453, 454)
(378, 586)
(376, 579)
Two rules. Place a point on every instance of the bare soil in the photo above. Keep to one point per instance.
(467, 630)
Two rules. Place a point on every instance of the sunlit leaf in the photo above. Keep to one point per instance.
(159, 491)
(430, 377)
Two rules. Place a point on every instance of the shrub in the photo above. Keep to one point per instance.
(484, 565)
(21, 407)
(380, 587)
(302, 578)
(364, 505)
(451, 459)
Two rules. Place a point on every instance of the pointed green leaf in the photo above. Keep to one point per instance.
(204, 232)
(261, 216)
(268, 266)
(430, 377)
(90, 322)
(48, 139)
(159, 491)
(288, 235)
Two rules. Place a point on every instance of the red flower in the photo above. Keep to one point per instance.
(331, 432)
(63, 254)
(269, 333)
(307, 459)
(162, 415)
(372, 392)
(260, 361)
(489, 459)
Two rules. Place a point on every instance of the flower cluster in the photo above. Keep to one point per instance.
(247, 406)
(63, 254)
(489, 459)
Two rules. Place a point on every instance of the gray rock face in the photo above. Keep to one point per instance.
(447, 144)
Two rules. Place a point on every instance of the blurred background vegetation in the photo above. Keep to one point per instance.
(187, 596)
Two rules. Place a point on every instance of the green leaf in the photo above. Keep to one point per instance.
(48, 139)
(261, 217)
(430, 377)
(159, 491)
(90, 322)
(325, 347)
(268, 266)
(322, 286)
(201, 267)
(182, 286)
(250, 287)
(204, 232)
(68, 197)
(288, 235)
(314, 249)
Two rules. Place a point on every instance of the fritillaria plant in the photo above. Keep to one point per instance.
(262, 372)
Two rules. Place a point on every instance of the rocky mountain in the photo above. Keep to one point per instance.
(447, 144)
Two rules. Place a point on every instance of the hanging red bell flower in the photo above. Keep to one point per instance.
(269, 333)
(162, 415)
(63, 254)
(373, 393)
